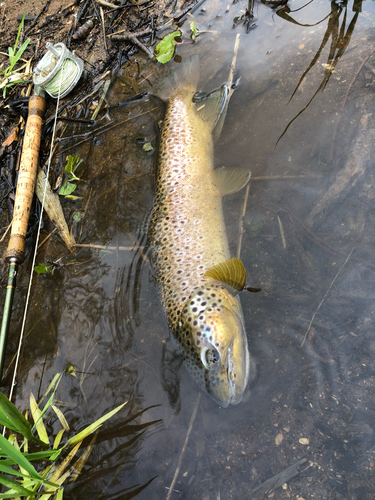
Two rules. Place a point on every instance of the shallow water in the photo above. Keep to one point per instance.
(307, 240)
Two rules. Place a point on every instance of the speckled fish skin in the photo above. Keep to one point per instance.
(188, 236)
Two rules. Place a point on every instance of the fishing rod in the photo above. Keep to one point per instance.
(56, 73)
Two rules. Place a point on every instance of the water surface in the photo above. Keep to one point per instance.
(307, 240)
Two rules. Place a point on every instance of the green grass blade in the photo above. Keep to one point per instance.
(20, 51)
(18, 37)
(13, 472)
(61, 417)
(11, 495)
(93, 427)
(53, 385)
(12, 419)
(58, 439)
(18, 458)
(15, 486)
(38, 419)
(39, 455)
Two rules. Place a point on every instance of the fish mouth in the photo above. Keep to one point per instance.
(226, 386)
(235, 395)
(237, 385)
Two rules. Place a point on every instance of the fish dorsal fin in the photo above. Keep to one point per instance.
(231, 180)
(231, 272)
(211, 107)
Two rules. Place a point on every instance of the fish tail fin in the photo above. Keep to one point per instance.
(183, 78)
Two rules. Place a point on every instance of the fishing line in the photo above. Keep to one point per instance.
(59, 94)
(57, 61)
(71, 70)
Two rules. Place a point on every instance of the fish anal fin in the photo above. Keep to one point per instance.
(230, 180)
(230, 272)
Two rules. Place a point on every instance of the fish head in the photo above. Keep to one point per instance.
(212, 335)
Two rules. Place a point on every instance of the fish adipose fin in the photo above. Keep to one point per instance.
(183, 78)
(231, 180)
(230, 272)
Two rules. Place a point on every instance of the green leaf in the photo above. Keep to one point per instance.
(165, 48)
(60, 494)
(72, 197)
(38, 455)
(67, 188)
(20, 51)
(73, 162)
(37, 416)
(13, 472)
(43, 269)
(90, 429)
(147, 147)
(15, 486)
(18, 457)
(77, 217)
(194, 31)
(11, 418)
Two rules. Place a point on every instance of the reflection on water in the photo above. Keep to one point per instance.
(307, 241)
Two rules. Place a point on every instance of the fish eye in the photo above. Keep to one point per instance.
(212, 357)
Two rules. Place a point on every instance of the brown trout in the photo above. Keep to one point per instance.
(197, 280)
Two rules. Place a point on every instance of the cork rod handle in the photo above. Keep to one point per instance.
(26, 178)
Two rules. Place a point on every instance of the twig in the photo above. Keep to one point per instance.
(241, 229)
(194, 414)
(282, 232)
(107, 4)
(146, 31)
(103, 26)
(233, 63)
(6, 232)
(103, 247)
(132, 37)
(47, 237)
(333, 140)
(325, 295)
(354, 79)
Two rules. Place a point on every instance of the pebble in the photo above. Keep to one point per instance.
(279, 439)
(303, 441)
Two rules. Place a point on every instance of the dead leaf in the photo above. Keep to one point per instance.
(13, 136)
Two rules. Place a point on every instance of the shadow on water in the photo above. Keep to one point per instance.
(306, 430)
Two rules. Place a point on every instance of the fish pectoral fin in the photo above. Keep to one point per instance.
(230, 180)
(212, 107)
(231, 272)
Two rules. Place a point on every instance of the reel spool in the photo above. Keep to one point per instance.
(56, 63)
